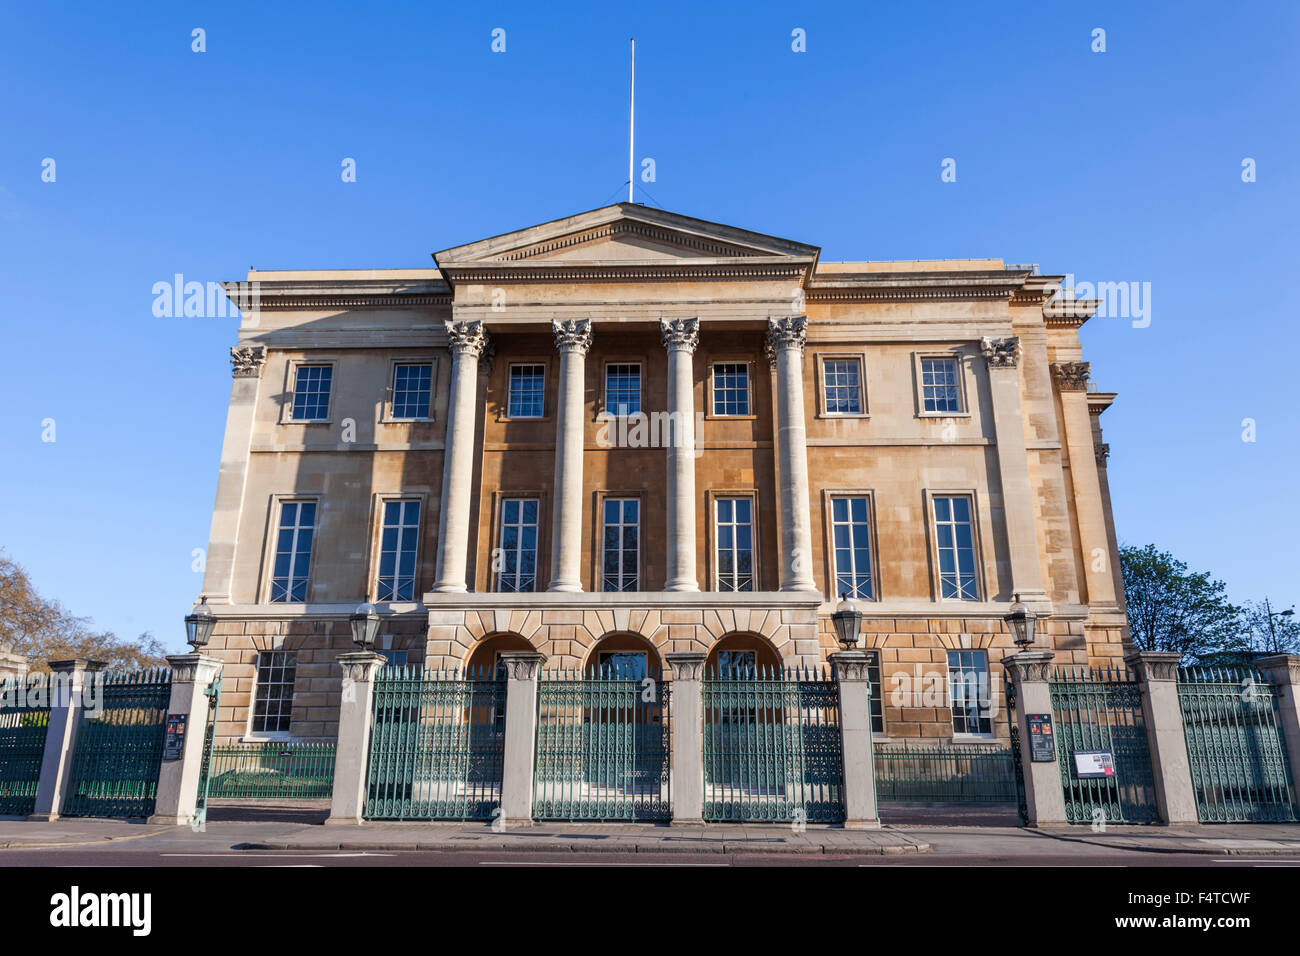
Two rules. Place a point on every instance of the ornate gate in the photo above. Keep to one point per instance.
(437, 745)
(24, 719)
(773, 749)
(1238, 756)
(1102, 710)
(602, 749)
(119, 746)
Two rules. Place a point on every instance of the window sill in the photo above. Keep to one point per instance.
(942, 415)
(849, 415)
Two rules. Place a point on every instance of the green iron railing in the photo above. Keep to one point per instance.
(437, 745)
(953, 774)
(24, 720)
(602, 749)
(1238, 756)
(298, 770)
(1102, 710)
(119, 745)
(772, 748)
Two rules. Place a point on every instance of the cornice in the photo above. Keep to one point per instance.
(1098, 402)
(283, 303)
(1069, 313)
(342, 293)
(752, 267)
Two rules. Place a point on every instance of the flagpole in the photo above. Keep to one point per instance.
(631, 126)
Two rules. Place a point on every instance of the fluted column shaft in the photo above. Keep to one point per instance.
(466, 340)
(785, 339)
(680, 336)
(573, 339)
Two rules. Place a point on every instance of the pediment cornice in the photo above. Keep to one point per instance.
(651, 243)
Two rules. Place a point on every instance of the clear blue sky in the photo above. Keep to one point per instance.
(1115, 166)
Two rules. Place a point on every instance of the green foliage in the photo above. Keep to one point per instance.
(1173, 609)
(44, 630)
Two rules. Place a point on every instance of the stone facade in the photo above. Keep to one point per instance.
(674, 296)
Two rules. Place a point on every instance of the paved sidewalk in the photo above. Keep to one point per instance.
(955, 839)
(602, 838)
(448, 837)
(1227, 839)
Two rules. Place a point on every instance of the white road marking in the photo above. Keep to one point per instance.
(565, 863)
(273, 853)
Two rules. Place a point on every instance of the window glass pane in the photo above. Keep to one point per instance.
(851, 532)
(399, 542)
(273, 701)
(940, 385)
(734, 535)
(412, 385)
(516, 557)
(291, 563)
(311, 392)
(968, 689)
(619, 543)
(955, 540)
(623, 389)
(843, 386)
(526, 392)
(731, 388)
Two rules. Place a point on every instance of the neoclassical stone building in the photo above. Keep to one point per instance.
(629, 432)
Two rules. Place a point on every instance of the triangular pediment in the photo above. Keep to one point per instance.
(623, 233)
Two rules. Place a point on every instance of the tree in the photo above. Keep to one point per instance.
(1264, 631)
(43, 630)
(1173, 609)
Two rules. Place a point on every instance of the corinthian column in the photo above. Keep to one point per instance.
(785, 340)
(466, 340)
(1002, 356)
(573, 339)
(680, 336)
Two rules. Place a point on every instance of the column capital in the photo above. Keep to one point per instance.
(1154, 665)
(523, 665)
(466, 337)
(1071, 376)
(681, 334)
(787, 332)
(193, 668)
(1000, 353)
(850, 665)
(572, 335)
(1029, 665)
(246, 360)
(361, 666)
(687, 665)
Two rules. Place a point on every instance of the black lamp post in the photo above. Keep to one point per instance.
(365, 625)
(1020, 621)
(1272, 631)
(848, 621)
(199, 624)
